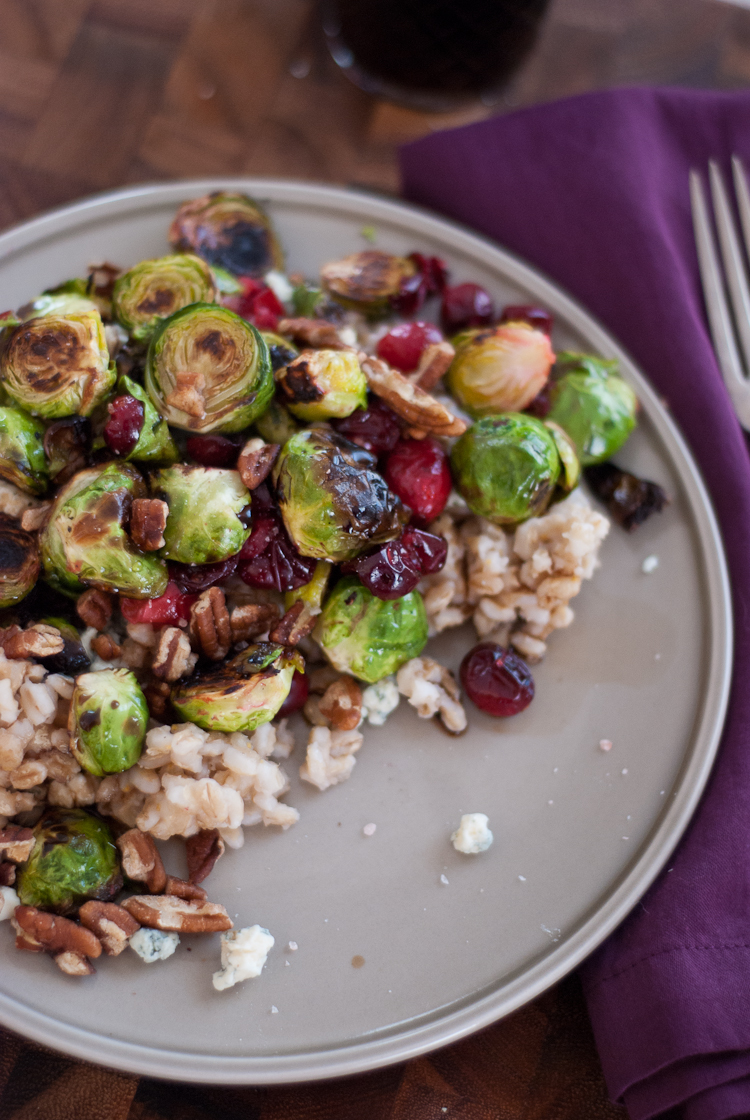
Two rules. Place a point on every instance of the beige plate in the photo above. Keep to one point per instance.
(579, 834)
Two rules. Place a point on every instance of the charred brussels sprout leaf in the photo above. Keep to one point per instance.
(19, 562)
(153, 290)
(593, 404)
(205, 503)
(242, 693)
(108, 718)
(370, 637)
(506, 467)
(228, 230)
(499, 369)
(333, 505)
(323, 384)
(570, 475)
(155, 444)
(84, 543)
(208, 370)
(280, 350)
(22, 458)
(74, 858)
(366, 281)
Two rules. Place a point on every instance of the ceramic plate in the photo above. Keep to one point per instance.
(449, 942)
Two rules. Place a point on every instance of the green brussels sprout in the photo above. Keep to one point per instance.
(153, 290)
(84, 543)
(242, 693)
(57, 363)
(208, 370)
(499, 369)
(228, 230)
(22, 458)
(277, 424)
(370, 637)
(108, 718)
(280, 350)
(366, 281)
(226, 283)
(73, 659)
(19, 562)
(333, 504)
(205, 503)
(323, 384)
(571, 468)
(506, 467)
(74, 858)
(306, 299)
(155, 443)
(593, 404)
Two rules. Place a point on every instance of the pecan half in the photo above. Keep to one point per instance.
(181, 888)
(313, 332)
(209, 623)
(141, 860)
(252, 619)
(341, 704)
(183, 915)
(105, 646)
(94, 608)
(294, 626)
(203, 849)
(435, 361)
(187, 395)
(422, 412)
(16, 842)
(73, 963)
(33, 518)
(112, 924)
(255, 461)
(56, 934)
(148, 519)
(173, 658)
(40, 640)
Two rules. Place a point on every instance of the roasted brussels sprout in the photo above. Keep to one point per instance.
(73, 659)
(370, 637)
(22, 458)
(108, 718)
(277, 424)
(242, 693)
(280, 350)
(19, 562)
(323, 384)
(208, 370)
(499, 369)
(57, 363)
(67, 444)
(593, 404)
(229, 230)
(84, 543)
(153, 290)
(205, 503)
(74, 858)
(368, 280)
(506, 467)
(570, 474)
(155, 443)
(333, 505)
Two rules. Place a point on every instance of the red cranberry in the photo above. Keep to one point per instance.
(428, 280)
(123, 428)
(541, 403)
(430, 549)
(213, 451)
(395, 569)
(497, 680)
(267, 310)
(525, 313)
(417, 470)
(195, 578)
(402, 347)
(374, 428)
(298, 693)
(465, 305)
(168, 610)
(433, 270)
(268, 558)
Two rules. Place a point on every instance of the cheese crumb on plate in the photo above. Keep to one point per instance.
(472, 835)
(243, 955)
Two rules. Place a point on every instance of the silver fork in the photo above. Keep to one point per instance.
(727, 304)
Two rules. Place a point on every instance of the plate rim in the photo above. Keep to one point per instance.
(403, 1042)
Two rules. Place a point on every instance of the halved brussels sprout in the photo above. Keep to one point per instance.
(155, 443)
(280, 350)
(74, 858)
(366, 281)
(153, 290)
(499, 369)
(84, 543)
(593, 404)
(333, 505)
(242, 693)
(19, 562)
(306, 299)
(227, 229)
(277, 424)
(108, 719)
(566, 449)
(205, 503)
(506, 467)
(323, 384)
(370, 637)
(208, 370)
(22, 458)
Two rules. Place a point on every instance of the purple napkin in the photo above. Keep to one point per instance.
(594, 191)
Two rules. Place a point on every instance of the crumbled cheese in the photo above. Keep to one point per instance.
(605, 744)
(279, 285)
(379, 700)
(444, 880)
(243, 954)
(650, 564)
(472, 835)
(153, 944)
(8, 902)
(369, 829)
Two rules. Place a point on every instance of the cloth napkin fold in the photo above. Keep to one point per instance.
(594, 191)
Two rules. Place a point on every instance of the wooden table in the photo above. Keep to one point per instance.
(98, 93)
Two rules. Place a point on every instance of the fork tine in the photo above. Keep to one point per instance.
(731, 254)
(743, 199)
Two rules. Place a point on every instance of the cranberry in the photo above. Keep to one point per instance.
(497, 680)
(123, 428)
(195, 578)
(374, 428)
(298, 693)
(268, 557)
(417, 470)
(267, 310)
(402, 347)
(429, 279)
(213, 451)
(395, 569)
(168, 610)
(433, 270)
(430, 549)
(465, 305)
(541, 403)
(525, 313)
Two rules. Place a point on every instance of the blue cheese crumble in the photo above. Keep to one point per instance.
(472, 835)
(379, 700)
(153, 944)
(243, 955)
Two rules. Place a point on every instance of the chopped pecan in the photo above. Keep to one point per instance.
(7, 874)
(105, 646)
(111, 923)
(294, 626)
(187, 395)
(435, 361)
(181, 888)
(40, 640)
(209, 623)
(313, 332)
(203, 849)
(341, 704)
(252, 619)
(148, 519)
(421, 411)
(33, 518)
(94, 608)
(73, 963)
(157, 695)
(16, 843)
(255, 461)
(173, 658)
(56, 934)
(183, 915)
(141, 860)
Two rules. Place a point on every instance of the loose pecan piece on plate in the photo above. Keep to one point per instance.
(182, 915)
(203, 850)
(110, 923)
